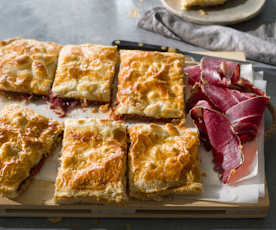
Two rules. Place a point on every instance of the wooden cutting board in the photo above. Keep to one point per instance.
(36, 201)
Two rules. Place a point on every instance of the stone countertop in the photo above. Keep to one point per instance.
(101, 21)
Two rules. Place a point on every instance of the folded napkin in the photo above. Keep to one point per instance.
(259, 44)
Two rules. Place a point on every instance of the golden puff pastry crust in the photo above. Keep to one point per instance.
(151, 84)
(163, 160)
(27, 66)
(26, 140)
(93, 162)
(86, 72)
(186, 4)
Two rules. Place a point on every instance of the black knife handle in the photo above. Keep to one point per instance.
(130, 45)
(121, 44)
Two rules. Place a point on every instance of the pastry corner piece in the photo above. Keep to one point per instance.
(187, 4)
(86, 72)
(27, 66)
(163, 160)
(93, 163)
(151, 85)
(26, 140)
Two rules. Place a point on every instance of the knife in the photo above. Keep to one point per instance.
(130, 45)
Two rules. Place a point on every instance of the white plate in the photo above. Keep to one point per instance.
(232, 12)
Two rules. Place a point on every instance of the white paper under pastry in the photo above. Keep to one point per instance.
(49, 171)
(244, 193)
(261, 84)
(247, 191)
(247, 72)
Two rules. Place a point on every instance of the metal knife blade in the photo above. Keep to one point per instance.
(130, 45)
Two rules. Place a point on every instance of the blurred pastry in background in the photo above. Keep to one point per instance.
(187, 4)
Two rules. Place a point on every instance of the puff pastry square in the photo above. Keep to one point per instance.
(151, 84)
(26, 140)
(86, 72)
(163, 160)
(93, 162)
(186, 4)
(27, 66)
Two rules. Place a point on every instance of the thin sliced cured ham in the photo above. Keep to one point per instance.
(197, 115)
(228, 110)
(249, 153)
(245, 85)
(250, 110)
(226, 146)
(246, 116)
(241, 96)
(196, 95)
(217, 71)
(194, 73)
(221, 98)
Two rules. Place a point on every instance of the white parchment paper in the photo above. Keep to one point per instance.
(248, 190)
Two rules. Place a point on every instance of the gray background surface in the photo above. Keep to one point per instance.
(101, 21)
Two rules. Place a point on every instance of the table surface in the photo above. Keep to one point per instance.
(100, 21)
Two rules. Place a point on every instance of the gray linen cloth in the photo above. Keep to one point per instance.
(258, 44)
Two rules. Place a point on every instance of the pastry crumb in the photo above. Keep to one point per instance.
(84, 103)
(104, 108)
(94, 110)
(172, 50)
(55, 220)
(202, 12)
(113, 116)
(133, 13)
(179, 122)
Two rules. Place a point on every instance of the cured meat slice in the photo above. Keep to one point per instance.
(227, 109)
(250, 110)
(217, 71)
(197, 115)
(226, 145)
(231, 70)
(221, 98)
(249, 153)
(241, 96)
(246, 131)
(196, 95)
(194, 73)
(246, 117)
(245, 85)
(212, 77)
(244, 110)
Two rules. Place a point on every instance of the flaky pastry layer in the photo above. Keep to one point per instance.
(27, 66)
(26, 138)
(86, 72)
(163, 160)
(93, 162)
(151, 84)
